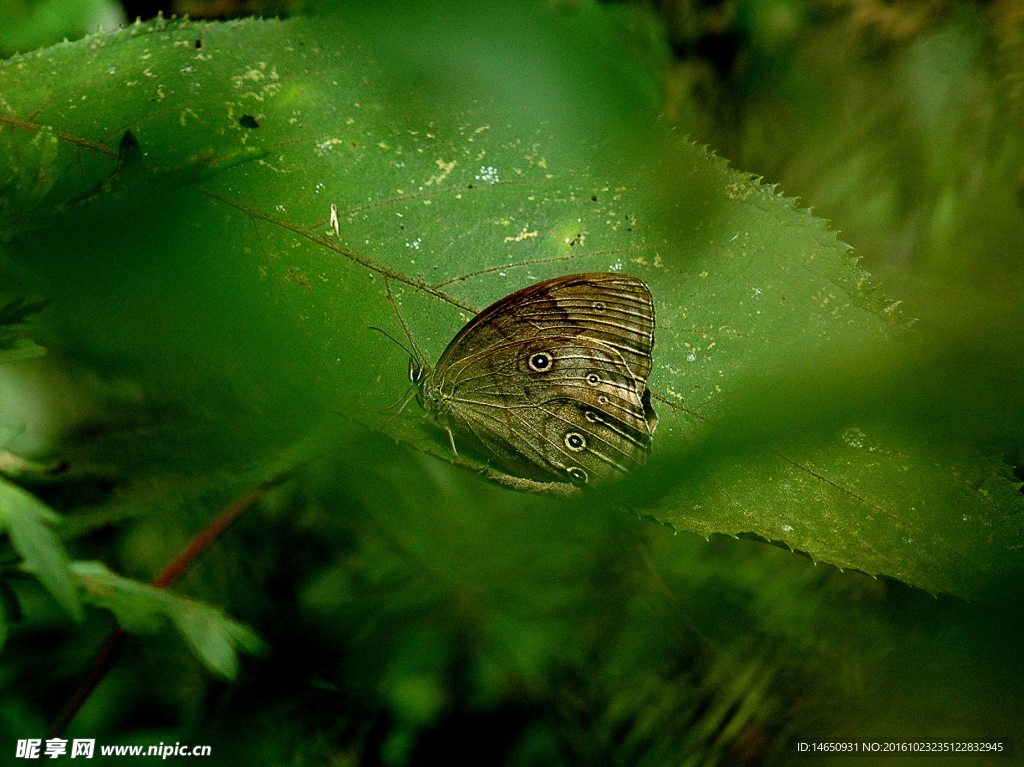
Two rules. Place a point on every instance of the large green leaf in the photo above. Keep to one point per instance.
(249, 194)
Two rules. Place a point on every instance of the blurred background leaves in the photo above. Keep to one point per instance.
(405, 602)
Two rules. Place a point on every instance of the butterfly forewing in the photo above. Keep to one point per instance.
(613, 308)
(553, 379)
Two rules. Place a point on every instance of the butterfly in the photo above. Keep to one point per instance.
(550, 382)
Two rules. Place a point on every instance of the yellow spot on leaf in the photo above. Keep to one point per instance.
(523, 235)
(446, 169)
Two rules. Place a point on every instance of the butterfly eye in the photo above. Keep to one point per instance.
(415, 371)
(540, 362)
(576, 473)
(575, 441)
(593, 379)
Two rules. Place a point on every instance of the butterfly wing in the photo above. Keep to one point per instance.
(552, 379)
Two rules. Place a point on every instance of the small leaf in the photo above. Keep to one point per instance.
(144, 609)
(27, 521)
(14, 465)
(14, 347)
(213, 637)
(15, 312)
(22, 349)
(138, 607)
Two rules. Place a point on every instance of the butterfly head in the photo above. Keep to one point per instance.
(417, 371)
(418, 375)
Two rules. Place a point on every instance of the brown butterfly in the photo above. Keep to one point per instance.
(551, 382)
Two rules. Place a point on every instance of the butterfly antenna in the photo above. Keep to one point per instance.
(386, 333)
(415, 353)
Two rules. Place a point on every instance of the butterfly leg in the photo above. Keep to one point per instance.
(451, 439)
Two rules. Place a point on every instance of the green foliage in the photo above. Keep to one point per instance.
(28, 521)
(253, 133)
(25, 519)
(616, 640)
(901, 124)
(224, 210)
